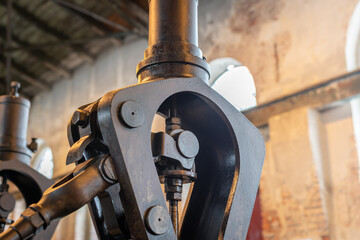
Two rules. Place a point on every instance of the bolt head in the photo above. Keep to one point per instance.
(14, 84)
(173, 196)
(157, 220)
(188, 144)
(7, 202)
(132, 113)
(33, 146)
(80, 118)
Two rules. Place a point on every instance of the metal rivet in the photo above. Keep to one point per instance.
(7, 202)
(157, 220)
(132, 113)
(187, 144)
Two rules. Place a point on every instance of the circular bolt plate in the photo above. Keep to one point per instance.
(188, 144)
(7, 202)
(132, 113)
(157, 220)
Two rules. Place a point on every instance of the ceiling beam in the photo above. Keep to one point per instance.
(137, 12)
(25, 74)
(98, 27)
(132, 13)
(40, 24)
(330, 91)
(40, 55)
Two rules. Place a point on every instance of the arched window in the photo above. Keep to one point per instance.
(352, 56)
(234, 82)
(352, 47)
(42, 160)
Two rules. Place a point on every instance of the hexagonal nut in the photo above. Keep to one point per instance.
(157, 220)
(173, 196)
(33, 146)
(36, 220)
(80, 118)
(173, 189)
(28, 213)
(15, 86)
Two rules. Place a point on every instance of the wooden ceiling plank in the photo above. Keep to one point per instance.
(131, 12)
(41, 56)
(40, 24)
(25, 74)
(137, 12)
(97, 27)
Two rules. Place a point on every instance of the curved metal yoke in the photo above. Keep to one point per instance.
(228, 164)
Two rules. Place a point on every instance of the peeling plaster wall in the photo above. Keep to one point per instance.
(287, 45)
(291, 201)
(310, 185)
(345, 185)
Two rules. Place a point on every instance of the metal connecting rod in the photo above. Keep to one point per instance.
(68, 195)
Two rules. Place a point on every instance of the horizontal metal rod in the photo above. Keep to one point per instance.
(332, 90)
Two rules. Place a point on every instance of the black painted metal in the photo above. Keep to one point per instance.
(173, 43)
(228, 155)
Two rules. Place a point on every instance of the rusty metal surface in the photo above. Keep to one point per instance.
(338, 88)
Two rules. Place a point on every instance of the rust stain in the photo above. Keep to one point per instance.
(276, 56)
(282, 44)
(249, 15)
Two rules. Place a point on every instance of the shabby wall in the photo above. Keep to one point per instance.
(287, 45)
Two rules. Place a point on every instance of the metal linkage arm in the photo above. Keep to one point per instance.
(64, 197)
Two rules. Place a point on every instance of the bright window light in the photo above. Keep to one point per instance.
(235, 84)
(42, 160)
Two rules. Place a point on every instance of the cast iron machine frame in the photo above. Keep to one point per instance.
(120, 163)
